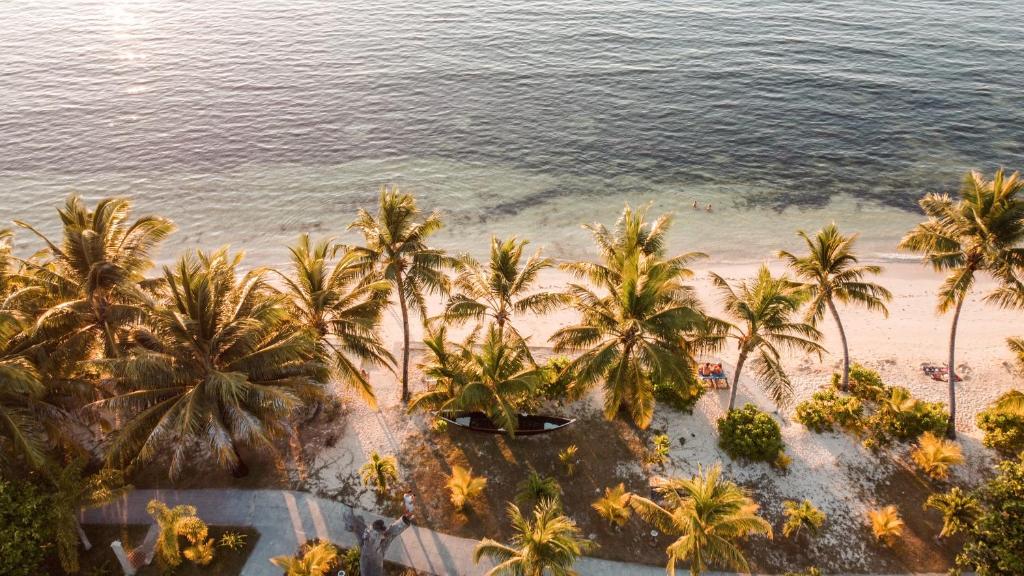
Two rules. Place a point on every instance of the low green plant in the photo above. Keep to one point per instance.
(233, 541)
(26, 528)
(750, 434)
(828, 410)
(348, 560)
(865, 383)
(555, 379)
(379, 472)
(958, 508)
(886, 524)
(903, 418)
(568, 459)
(995, 540)
(800, 517)
(536, 488)
(679, 396)
(316, 558)
(196, 532)
(614, 505)
(935, 455)
(660, 449)
(463, 486)
(1003, 428)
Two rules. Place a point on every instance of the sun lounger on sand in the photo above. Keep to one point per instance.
(938, 373)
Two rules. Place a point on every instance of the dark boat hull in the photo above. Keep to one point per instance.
(527, 425)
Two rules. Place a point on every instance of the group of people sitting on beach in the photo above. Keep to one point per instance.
(709, 370)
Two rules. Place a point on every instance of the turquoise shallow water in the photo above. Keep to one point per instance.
(252, 121)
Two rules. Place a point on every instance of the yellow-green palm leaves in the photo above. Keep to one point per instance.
(395, 246)
(23, 407)
(501, 289)
(635, 330)
(219, 364)
(316, 560)
(330, 295)
(982, 230)
(548, 543)
(463, 486)
(90, 283)
(832, 273)
(934, 455)
(614, 505)
(494, 375)
(73, 492)
(709, 515)
(762, 321)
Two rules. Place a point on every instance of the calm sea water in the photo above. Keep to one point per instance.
(251, 121)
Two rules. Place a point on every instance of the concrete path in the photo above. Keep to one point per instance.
(285, 519)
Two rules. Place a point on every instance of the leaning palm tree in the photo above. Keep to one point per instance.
(832, 272)
(395, 245)
(762, 312)
(94, 278)
(329, 294)
(502, 289)
(980, 231)
(550, 543)
(495, 376)
(73, 492)
(709, 515)
(219, 365)
(637, 331)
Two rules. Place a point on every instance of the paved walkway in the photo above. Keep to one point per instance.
(285, 518)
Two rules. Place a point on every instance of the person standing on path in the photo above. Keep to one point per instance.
(374, 540)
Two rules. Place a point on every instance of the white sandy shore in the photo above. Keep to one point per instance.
(832, 470)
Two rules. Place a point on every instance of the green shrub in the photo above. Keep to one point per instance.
(555, 381)
(679, 396)
(902, 417)
(827, 410)
(26, 529)
(750, 434)
(348, 560)
(865, 383)
(1004, 430)
(995, 541)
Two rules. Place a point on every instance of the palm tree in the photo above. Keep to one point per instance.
(330, 295)
(395, 245)
(463, 486)
(23, 407)
(95, 280)
(316, 560)
(379, 471)
(637, 333)
(709, 515)
(832, 272)
(614, 505)
(1016, 346)
(958, 508)
(220, 364)
(980, 231)
(934, 455)
(801, 516)
(535, 489)
(169, 521)
(503, 289)
(549, 544)
(494, 377)
(886, 524)
(762, 311)
(74, 492)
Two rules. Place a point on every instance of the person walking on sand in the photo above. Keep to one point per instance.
(374, 540)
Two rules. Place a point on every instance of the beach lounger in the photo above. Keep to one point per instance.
(715, 380)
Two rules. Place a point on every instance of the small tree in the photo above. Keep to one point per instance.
(886, 524)
(315, 559)
(959, 510)
(614, 505)
(995, 542)
(550, 543)
(170, 522)
(379, 472)
(935, 455)
(536, 488)
(568, 459)
(463, 486)
(800, 517)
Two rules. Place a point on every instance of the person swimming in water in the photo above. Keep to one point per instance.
(708, 209)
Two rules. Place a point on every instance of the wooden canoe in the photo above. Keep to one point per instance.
(527, 425)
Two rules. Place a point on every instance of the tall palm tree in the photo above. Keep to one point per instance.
(638, 331)
(980, 231)
(74, 491)
(502, 289)
(330, 295)
(550, 543)
(95, 277)
(832, 272)
(709, 515)
(395, 245)
(762, 311)
(22, 402)
(494, 376)
(219, 364)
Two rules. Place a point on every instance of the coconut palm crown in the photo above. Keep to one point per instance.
(220, 365)
(981, 230)
(832, 273)
(549, 543)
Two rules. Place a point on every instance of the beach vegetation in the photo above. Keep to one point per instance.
(935, 455)
(463, 486)
(74, 491)
(315, 558)
(864, 383)
(831, 273)
(981, 230)
(379, 471)
(26, 530)
(536, 488)
(614, 505)
(547, 543)
(828, 410)
(233, 541)
(995, 539)
(902, 417)
(886, 524)
(748, 433)
(660, 449)
(959, 510)
(555, 379)
(709, 516)
(1003, 425)
(801, 517)
(173, 522)
(568, 457)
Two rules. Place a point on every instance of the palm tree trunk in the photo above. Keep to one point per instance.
(405, 336)
(736, 378)
(951, 372)
(846, 348)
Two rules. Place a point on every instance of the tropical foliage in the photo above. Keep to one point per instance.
(1003, 424)
(380, 472)
(314, 559)
(547, 543)
(181, 520)
(982, 230)
(709, 515)
(750, 434)
(833, 273)
(567, 457)
(74, 491)
(995, 541)
(828, 410)
(464, 487)
(886, 524)
(801, 517)
(935, 455)
(614, 505)
(958, 508)
(535, 488)
(26, 530)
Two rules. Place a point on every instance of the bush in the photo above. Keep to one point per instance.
(1004, 430)
(902, 417)
(934, 455)
(827, 410)
(681, 397)
(26, 530)
(865, 383)
(536, 488)
(995, 543)
(750, 434)
(555, 380)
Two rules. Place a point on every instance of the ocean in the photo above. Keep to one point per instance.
(250, 122)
